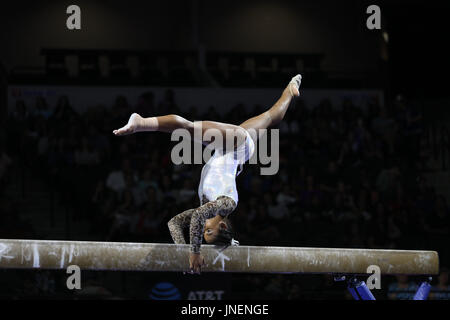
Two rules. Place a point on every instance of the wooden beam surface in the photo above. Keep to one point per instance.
(45, 254)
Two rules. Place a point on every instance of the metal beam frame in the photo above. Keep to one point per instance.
(120, 256)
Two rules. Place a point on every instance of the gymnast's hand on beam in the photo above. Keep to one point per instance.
(196, 262)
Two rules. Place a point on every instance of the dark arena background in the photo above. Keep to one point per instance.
(364, 152)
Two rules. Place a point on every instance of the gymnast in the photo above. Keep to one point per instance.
(217, 190)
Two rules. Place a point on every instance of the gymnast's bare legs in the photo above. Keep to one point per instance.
(171, 122)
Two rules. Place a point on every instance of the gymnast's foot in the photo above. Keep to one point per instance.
(135, 124)
(294, 85)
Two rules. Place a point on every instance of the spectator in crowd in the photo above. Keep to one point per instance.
(402, 289)
(5, 163)
(441, 291)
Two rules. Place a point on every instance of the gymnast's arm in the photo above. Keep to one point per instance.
(196, 219)
(196, 231)
(178, 223)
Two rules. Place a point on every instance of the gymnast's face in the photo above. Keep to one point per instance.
(212, 228)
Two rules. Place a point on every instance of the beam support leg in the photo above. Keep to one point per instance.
(423, 291)
(359, 290)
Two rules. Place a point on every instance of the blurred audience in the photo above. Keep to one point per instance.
(350, 176)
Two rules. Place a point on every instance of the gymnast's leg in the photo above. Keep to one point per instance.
(276, 113)
(172, 122)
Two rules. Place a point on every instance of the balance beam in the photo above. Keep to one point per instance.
(120, 256)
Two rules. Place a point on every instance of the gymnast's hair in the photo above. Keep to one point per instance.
(225, 237)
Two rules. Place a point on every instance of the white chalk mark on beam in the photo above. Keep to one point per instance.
(3, 251)
(25, 253)
(35, 256)
(70, 253)
(222, 259)
(63, 253)
(159, 262)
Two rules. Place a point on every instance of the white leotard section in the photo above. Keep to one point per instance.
(218, 176)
